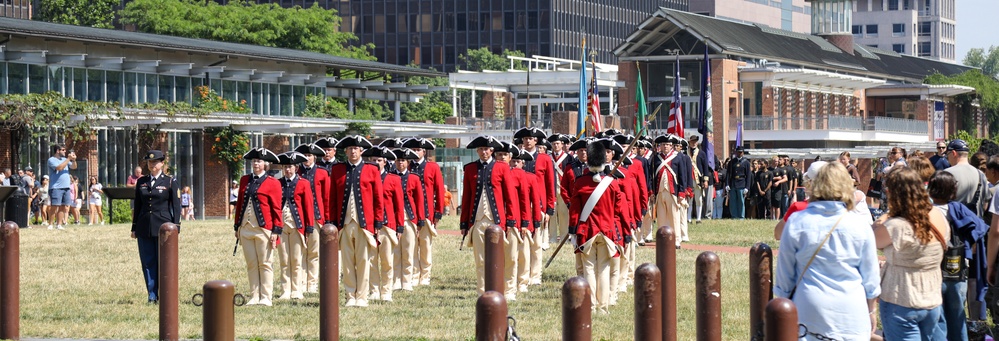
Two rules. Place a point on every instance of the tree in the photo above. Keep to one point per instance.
(986, 92)
(434, 107)
(93, 13)
(988, 62)
(482, 59)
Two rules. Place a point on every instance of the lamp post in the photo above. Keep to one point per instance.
(738, 107)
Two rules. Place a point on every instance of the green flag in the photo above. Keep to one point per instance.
(641, 110)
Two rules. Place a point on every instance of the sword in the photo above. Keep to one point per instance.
(234, 247)
(460, 246)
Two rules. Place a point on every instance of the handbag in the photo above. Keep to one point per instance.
(809, 264)
(874, 189)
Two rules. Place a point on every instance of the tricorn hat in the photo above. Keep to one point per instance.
(405, 154)
(530, 132)
(154, 155)
(545, 143)
(559, 137)
(663, 139)
(623, 139)
(378, 151)
(581, 144)
(525, 156)
(484, 141)
(354, 141)
(291, 158)
(327, 142)
(310, 148)
(418, 142)
(262, 154)
(507, 147)
(608, 133)
(391, 143)
(612, 145)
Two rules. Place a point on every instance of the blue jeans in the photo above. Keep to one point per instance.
(952, 318)
(908, 324)
(737, 203)
(719, 204)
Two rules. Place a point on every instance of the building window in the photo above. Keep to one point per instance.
(897, 30)
(924, 28)
(17, 78)
(899, 48)
(872, 30)
(924, 49)
(37, 79)
(857, 30)
(892, 5)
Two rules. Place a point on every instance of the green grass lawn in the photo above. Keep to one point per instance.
(85, 282)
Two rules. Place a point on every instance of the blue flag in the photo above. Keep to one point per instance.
(581, 117)
(706, 124)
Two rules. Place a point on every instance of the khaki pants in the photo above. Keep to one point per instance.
(615, 276)
(649, 227)
(477, 240)
(358, 247)
(537, 252)
(382, 267)
(405, 256)
(290, 255)
(424, 250)
(512, 250)
(596, 268)
(311, 262)
(559, 222)
(257, 252)
(542, 234)
(579, 264)
(627, 267)
(683, 220)
(669, 213)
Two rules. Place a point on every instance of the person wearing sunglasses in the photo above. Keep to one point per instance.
(939, 160)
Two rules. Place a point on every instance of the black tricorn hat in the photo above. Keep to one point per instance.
(530, 132)
(581, 144)
(291, 158)
(525, 156)
(559, 137)
(327, 142)
(378, 151)
(405, 154)
(391, 143)
(623, 139)
(154, 155)
(683, 142)
(663, 139)
(545, 143)
(310, 148)
(572, 138)
(262, 154)
(418, 142)
(354, 141)
(515, 152)
(484, 141)
(518, 141)
(612, 145)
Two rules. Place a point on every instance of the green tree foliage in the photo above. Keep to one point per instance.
(319, 106)
(310, 29)
(482, 59)
(93, 13)
(987, 61)
(434, 107)
(986, 93)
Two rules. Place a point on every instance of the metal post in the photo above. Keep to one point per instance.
(10, 282)
(708, 297)
(648, 303)
(666, 261)
(494, 260)
(760, 288)
(396, 108)
(217, 311)
(490, 317)
(577, 310)
(168, 274)
(782, 320)
(329, 283)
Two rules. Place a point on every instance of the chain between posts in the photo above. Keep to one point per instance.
(817, 336)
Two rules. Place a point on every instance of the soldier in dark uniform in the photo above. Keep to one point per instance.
(739, 178)
(329, 146)
(157, 201)
(561, 157)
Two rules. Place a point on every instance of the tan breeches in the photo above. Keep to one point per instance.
(425, 252)
(290, 255)
(257, 252)
(477, 239)
(405, 257)
(382, 266)
(358, 247)
(597, 267)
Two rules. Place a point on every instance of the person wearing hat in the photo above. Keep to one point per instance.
(298, 216)
(414, 218)
(644, 154)
(970, 180)
(328, 145)
(627, 208)
(356, 209)
(667, 204)
(593, 218)
(157, 201)
(703, 179)
(517, 249)
(739, 176)
(560, 220)
(576, 168)
(384, 271)
(544, 168)
(684, 168)
(432, 181)
(488, 199)
(320, 179)
(258, 223)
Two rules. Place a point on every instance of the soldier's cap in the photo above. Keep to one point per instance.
(405, 154)
(484, 141)
(545, 143)
(310, 148)
(391, 143)
(683, 142)
(518, 141)
(525, 156)
(507, 147)
(328, 142)
(572, 139)
(559, 137)
(612, 145)
(354, 141)
(291, 158)
(695, 138)
(261, 154)
(623, 139)
(663, 139)
(581, 144)
(378, 151)
(530, 132)
(608, 133)
(154, 155)
(674, 139)
(596, 155)
(418, 142)
(646, 144)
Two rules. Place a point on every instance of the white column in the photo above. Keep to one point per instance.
(473, 102)
(454, 102)
(398, 110)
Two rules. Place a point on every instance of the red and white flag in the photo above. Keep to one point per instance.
(675, 124)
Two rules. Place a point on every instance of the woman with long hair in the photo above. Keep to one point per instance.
(95, 202)
(74, 198)
(43, 197)
(914, 237)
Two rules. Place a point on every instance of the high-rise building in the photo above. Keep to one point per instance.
(924, 28)
(788, 15)
(434, 33)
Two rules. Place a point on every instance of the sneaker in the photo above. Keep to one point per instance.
(102, 224)
(285, 296)
(387, 297)
(362, 303)
(59, 227)
(45, 223)
(265, 302)
(50, 226)
(252, 301)
(351, 303)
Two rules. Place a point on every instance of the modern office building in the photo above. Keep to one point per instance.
(924, 28)
(434, 33)
(789, 15)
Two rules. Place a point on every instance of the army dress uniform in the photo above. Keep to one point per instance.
(432, 182)
(298, 215)
(738, 180)
(414, 222)
(258, 216)
(157, 201)
(319, 177)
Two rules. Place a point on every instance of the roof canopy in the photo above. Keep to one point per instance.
(547, 75)
(805, 79)
(927, 90)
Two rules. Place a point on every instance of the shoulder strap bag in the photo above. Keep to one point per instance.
(809, 264)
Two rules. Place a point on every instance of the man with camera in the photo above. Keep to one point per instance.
(59, 181)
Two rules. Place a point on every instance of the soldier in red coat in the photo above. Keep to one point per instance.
(356, 209)
(258, 223)
(383, 266)
(614, 152)
(544, 168)
(575, 167)
(517, 237)
(489, 198)
(328, 145)
(298, 215)
(320, 179)
(532, 203)
(414, 218)
(432, 182)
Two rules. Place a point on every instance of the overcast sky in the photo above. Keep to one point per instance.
(976, 25)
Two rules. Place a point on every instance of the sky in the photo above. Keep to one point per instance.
(976, 25)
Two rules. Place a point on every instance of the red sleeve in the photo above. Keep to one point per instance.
(622, 215)
(549, 182)
(335, 190)
(638, 170)
(376, 198)
(523, 190)
(438, 204)
(502, 171)
(467, 195)
(305, 195)
(537, 201)
(272, 191)
(397, 213)
(575, 208)
(417, 195)
(323, 192)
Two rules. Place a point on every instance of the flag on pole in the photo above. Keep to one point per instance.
(581, 117)
(706, 124)
(675, 124)
(738, 135)
(594, 99)
(641, 108)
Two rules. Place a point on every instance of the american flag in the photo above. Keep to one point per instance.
(594, 103)
(675, 124)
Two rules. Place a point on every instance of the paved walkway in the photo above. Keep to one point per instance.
(687, 246)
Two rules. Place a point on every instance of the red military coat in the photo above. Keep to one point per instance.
(504, 200)
(268, 203)
(637, 171)
(371, 212)
(531, 201)
(413, 197)
(303, 200)
(392, 200)
(568, 178)
(631, 209)
(320, 179)
(544, 168)
(433, 189)
(605, 218)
